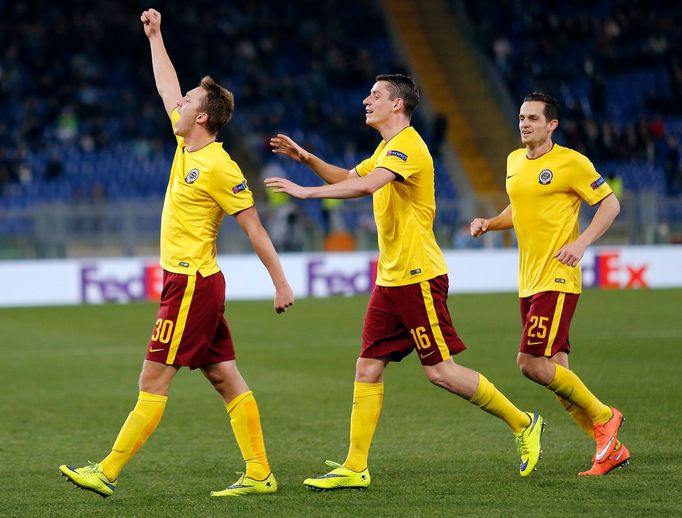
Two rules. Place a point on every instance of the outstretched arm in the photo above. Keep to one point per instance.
(285, 145)
(353, 187)
(260, 241)
(502, 221)
(608, 209)
(164, 73)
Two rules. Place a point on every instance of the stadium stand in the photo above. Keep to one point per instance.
(613, 64)
(83, 125)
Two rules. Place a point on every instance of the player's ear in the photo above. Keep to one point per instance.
(202, 118)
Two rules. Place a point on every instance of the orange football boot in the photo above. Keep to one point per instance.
(618, 458)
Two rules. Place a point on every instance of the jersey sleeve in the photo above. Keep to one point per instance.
(229, 188)
(587, 182)
(402, 157)
(367, 166)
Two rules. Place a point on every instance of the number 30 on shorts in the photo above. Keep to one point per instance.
(163, 330)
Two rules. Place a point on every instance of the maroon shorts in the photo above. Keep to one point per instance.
(190, 328)
(546, 318)
(402, 318)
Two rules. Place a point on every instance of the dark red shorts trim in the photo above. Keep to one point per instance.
(190, 329)
(546, 318)
(403, 318)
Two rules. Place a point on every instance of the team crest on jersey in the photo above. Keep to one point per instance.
(545, 177)
(239, 188)
(392, 152)
(192, 176)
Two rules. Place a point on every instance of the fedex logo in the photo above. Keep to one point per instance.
(324, 280)
(609, 271)
(117, 286)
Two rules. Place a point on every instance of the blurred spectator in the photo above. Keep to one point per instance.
(7, 171)
(54, 168)
(616, 184)
(673, 167)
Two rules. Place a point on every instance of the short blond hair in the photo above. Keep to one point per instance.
(218, 104)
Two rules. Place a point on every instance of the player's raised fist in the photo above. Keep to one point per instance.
(151, 21)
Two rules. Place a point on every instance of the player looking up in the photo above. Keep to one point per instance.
(546, 184)
(191, 331)
(408, 307)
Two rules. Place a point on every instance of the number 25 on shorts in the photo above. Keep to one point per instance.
(538, 329)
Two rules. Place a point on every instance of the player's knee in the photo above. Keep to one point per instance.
(531, 368)
(371, 371)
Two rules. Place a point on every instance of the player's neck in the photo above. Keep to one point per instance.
(392, 128)
(533, 152)
(198, 139)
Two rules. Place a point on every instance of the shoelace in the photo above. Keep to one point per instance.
(521, 446)
(332, 464)
(240, 480)
(93, 466)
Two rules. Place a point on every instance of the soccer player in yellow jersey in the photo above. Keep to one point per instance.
(546, 184)
(191, 330)
(408, 307)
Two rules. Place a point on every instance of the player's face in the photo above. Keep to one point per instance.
(533, 125)
(189, 107)
(378, 105)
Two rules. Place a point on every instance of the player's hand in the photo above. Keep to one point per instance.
(284, 145)
(571, 254)
(151, 20)
(287, 187)
(479, 226)
(284, 298)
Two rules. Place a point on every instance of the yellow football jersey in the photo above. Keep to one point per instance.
(404, 211)
(545, 195)
(203, 186)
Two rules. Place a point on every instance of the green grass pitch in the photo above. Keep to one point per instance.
(69, 379)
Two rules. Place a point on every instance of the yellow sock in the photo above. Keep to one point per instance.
(367, 401)
(567, 385)
(581, 418)
(578, 415)
(245, 421)
(491, 400)
(141, 423)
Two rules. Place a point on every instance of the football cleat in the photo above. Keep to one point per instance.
(619, 458)
(528, 444)
(248, 486)
(606, 435)
(89, 477)
(340, 477)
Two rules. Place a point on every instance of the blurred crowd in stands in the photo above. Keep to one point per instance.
(82, 120)
(614, 65)
(77, 76)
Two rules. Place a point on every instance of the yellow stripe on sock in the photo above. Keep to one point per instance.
(182, 319)
(556, 320)
(433, 320)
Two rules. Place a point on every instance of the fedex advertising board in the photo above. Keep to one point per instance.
(97, 281)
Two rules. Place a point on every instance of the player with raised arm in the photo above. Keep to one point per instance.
(408, 306)
(546, 184)
(190, 329)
